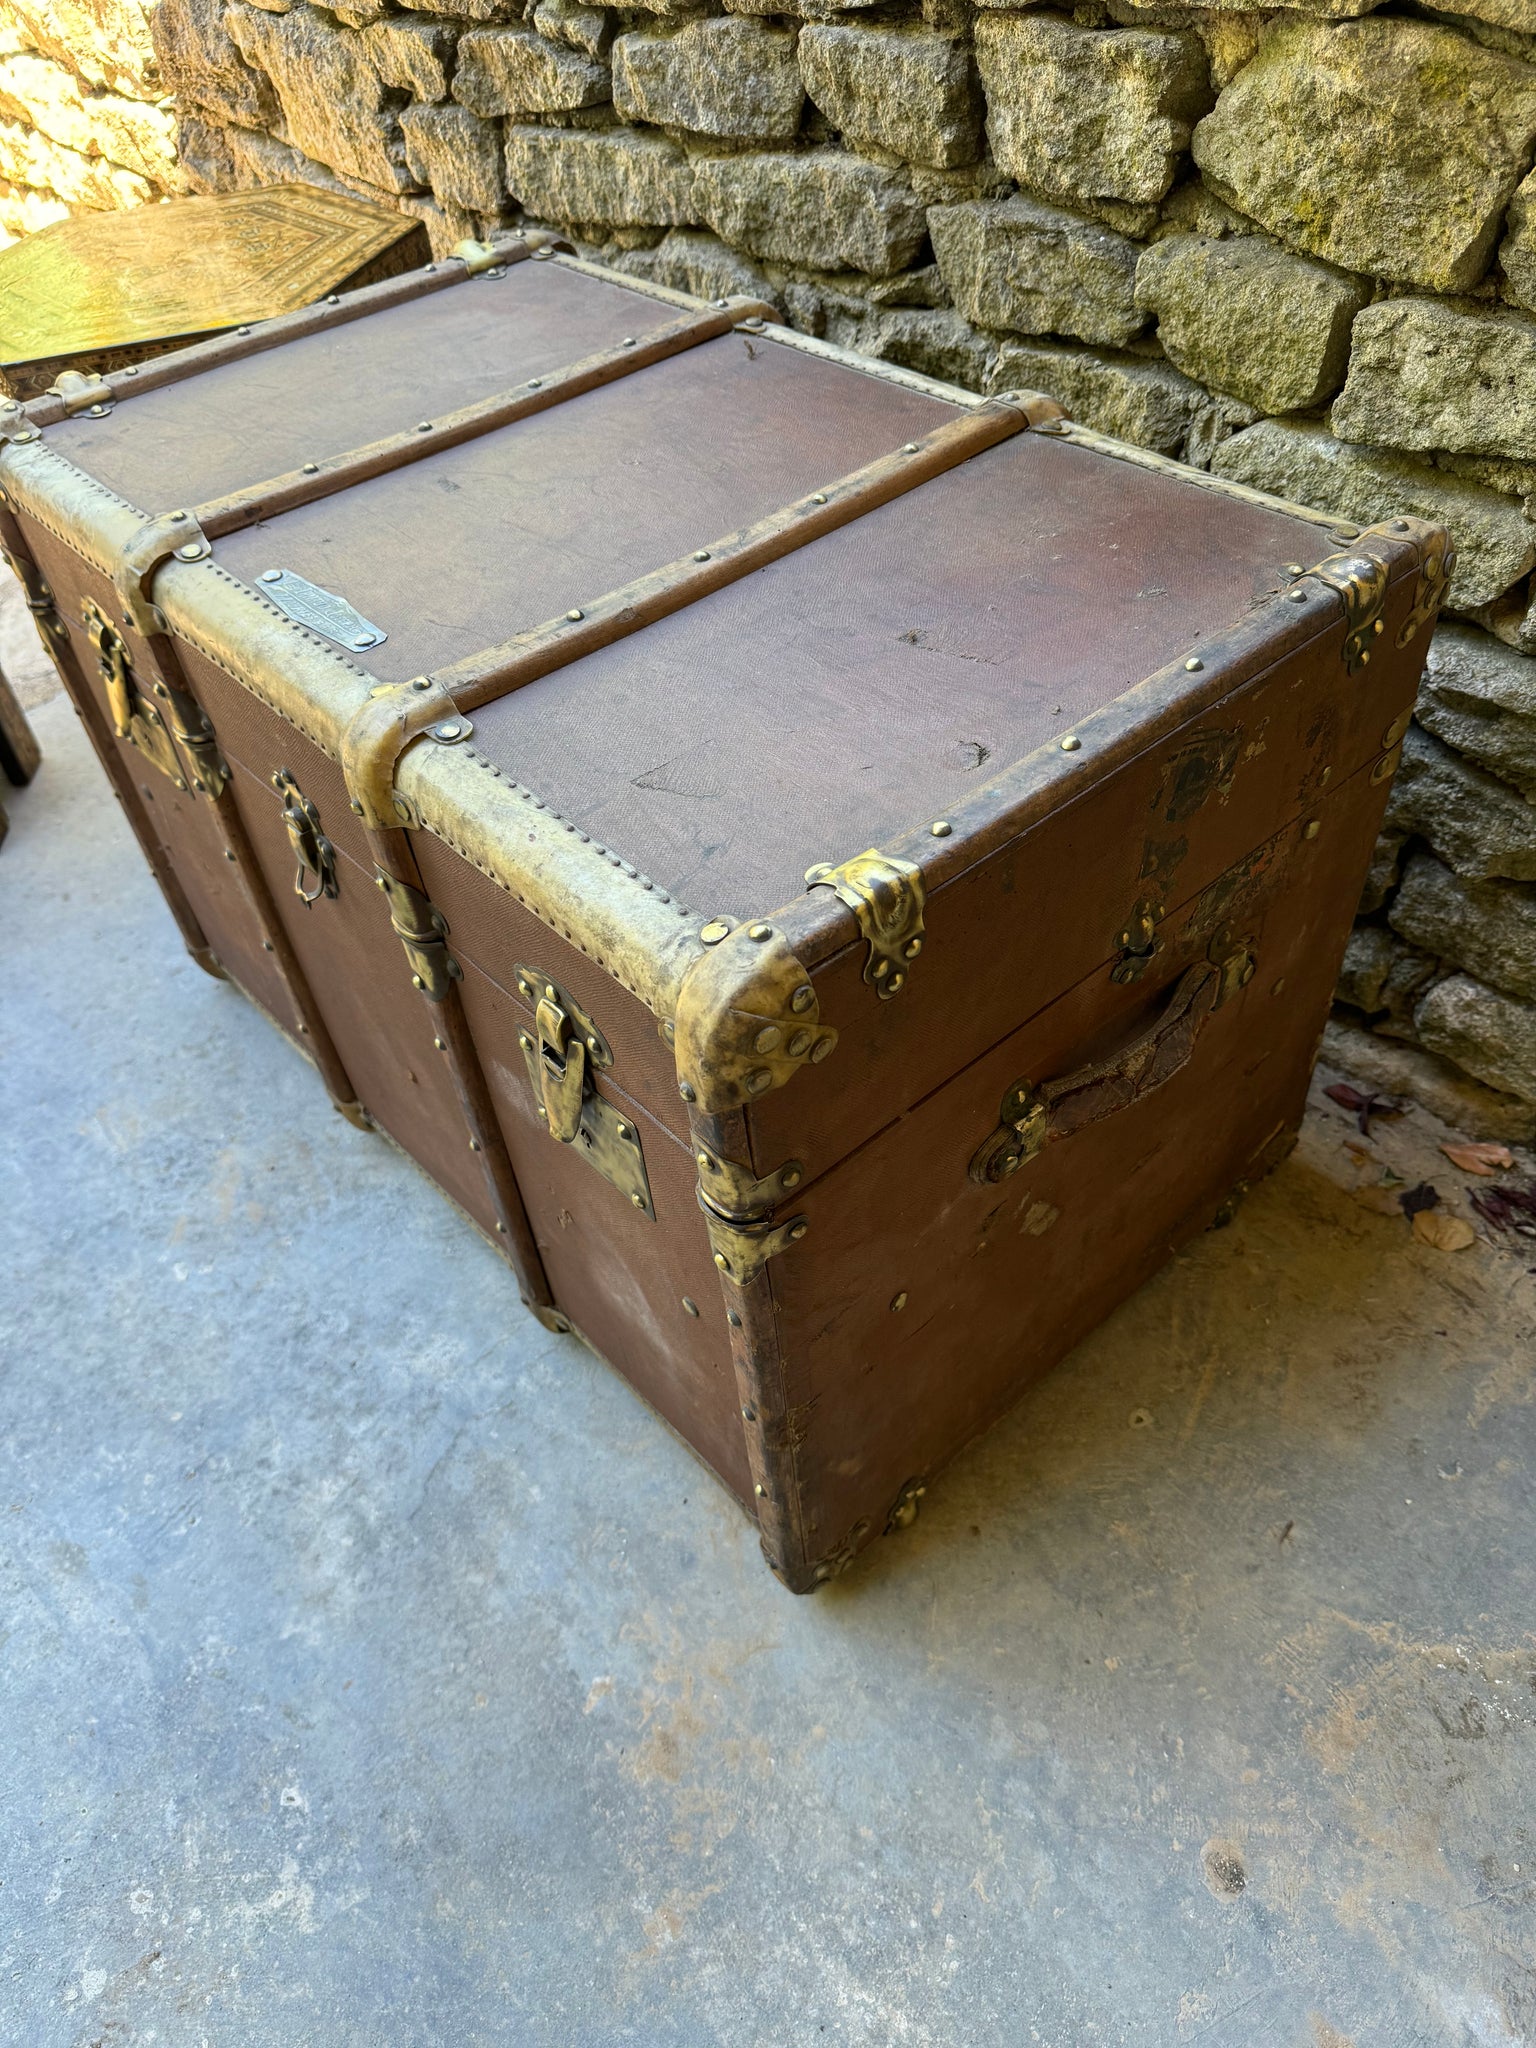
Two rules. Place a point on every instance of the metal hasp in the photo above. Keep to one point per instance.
(564, 1050)
(1361, 581)
(887, 897)
(314, 853)
(139, 720)
(423, 931)
(742, 1249)
(1139, 942)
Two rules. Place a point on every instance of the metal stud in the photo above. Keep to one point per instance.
(735, 1322)
(575, 613)
(898, 1303)
(791, 1177)
(1294, 569)
(686, 1092)
(1297, 596)
(761, 1492)
(423, 426)
(192, 552)
(767, 1038)
(311, 469)
(798, 1230)
(1311, 829)
(271, 576)
(1071, 744)
(638, 1200)
(331, 299)
(941, 828)
(820, 498)
(760, 932)
(1194, 665)
(474, 1144)
(716, 930)
(690, 1306)
(701, 555)
(909, 448)
(628, 341)
(820, 1050)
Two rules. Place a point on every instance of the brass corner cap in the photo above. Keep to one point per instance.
(747, 1020)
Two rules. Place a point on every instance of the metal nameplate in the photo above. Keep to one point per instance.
(321, 610)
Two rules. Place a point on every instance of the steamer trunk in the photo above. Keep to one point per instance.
(835, 877)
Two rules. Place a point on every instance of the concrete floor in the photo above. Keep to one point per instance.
(378, 1671)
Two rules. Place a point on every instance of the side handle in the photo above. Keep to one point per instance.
(1033, 1117)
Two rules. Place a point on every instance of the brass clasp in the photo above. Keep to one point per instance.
(563, 1052)
(314, 853)
(887, 896)
(561, 1066)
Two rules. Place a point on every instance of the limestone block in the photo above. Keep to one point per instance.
(1382, 874)
(129, 132)
(1363, 970)
(106, 41)
(1476, 823)
(1248, 318)
(1492, 1036)
(588, 29)
(903, 90)
(1391, 1068)
(1134, 399)
(689, 261)
(822, 207)
(735, 81)
(456, 155)
(1386, 978)
(23, 211)
(1495, 542)
(934, 340)
(29, 158)
(335, 108)
(1489, 928)
(413, 56)
(514, 71)
(1213, 426)
(1479, 696)
(201, 65)
(1102, 112)
(472, 10)
(1427, 375)
(612, 176)
(1517, 251)
(1386, 146)
(1020, 265)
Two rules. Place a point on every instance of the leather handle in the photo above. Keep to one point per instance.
(1032, 1117)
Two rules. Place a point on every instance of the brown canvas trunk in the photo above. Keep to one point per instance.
(835, 877)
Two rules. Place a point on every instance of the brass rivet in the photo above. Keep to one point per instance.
(1311, 829)
(716, 930)
(941, 828)
(534, 383)
(760, 932)
(735, 1322)
(820, 1050)
(628, 341)
(798, 1044)
(798, 1230)
(706, 1162)
(701, 555)
(190, 553)
(881, 969)
(898, 1303)
(423, 426)
(747, 1414)
(242, 330)
(624, 1131)
(331, 299)
(1297, 596)
(802, 998)
(1325, 777)
(638, 1200)
(722, 1262)
(1294, 569)
(574, 613)
(440, 1044)
(767, 1038)
(1071, 743)
(791, 1176)
(227, 854)
(758, 1080)
(761, 1492)
(909, 448)
(686, 1092)
(266, 945)
(474, 1144)
(1194, 664)
(311, 469)
(501, 1229)
(690, 1306)
(417, 982)
(820, 498)
(913, 948)
(1278, 986)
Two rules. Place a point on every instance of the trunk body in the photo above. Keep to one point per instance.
(836, 879)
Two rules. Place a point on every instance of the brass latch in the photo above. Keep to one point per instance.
(162, 736)
(314, 853)
(741, 1250)
(423, 931)
(886, 895)
(82, 393)
(563, 1052)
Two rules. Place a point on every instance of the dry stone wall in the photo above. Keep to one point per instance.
(1293, 245)
(86, 123)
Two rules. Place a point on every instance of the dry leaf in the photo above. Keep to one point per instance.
(1445, 1233)
(1508, 1208)
(1415, 1201)
(1479, 1158)
(1380, 1201)
(1359, 1150)
(1364, 1107)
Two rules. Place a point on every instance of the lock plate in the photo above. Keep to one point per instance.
(563, 1052)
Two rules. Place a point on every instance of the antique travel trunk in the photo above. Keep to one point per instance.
(834, 876)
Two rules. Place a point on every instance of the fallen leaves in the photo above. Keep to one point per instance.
(1479, 1158)
(1445, 1233)
(1363, 1107)
(1509, 1208)
(1415, 1201)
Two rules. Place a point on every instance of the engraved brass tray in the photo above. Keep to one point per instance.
(104, 290)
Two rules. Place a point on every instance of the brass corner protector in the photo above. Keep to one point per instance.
(747, 1020)
(887, 896)
(1360, 582)
(377, 734)
(174, 536)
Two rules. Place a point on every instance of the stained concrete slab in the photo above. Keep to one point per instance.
(377, 1670)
